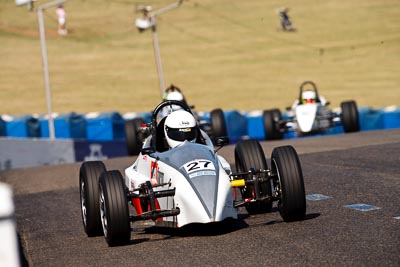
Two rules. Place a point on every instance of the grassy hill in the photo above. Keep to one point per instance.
(228, 54)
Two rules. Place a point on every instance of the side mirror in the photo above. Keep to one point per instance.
(222, 141)
(148, 150)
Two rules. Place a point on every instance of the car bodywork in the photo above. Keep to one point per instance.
(310, 118)
(188, 184)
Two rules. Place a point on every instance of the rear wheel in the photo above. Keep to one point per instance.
(114, 209)
(285, 164)
(134, 136)
(89, 174)
(218, 123)
(349, 116)
(271, 124)
(249, 154)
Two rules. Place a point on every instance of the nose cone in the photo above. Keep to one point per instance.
(305, 115)
(206, 189)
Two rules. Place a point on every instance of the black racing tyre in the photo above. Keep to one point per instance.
(89, 174)
(134, 136)
(114, 210)
(249, 154)
(349, 116)
(286, 165)
(271, 120)
(218, 123)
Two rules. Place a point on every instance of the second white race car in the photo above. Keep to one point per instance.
(310, 114)
(188, 184)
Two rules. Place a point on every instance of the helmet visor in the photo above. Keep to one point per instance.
(181, 134)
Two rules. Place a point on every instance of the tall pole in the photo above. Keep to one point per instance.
(157, 55)
(149, 21)
(45, 62)
(46, 72)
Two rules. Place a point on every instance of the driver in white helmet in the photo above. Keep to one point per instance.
(180, 126)
(174, 96)
(177, 96)
(309, 97)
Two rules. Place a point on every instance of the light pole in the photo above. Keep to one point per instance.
(39, 10)
(45, 62)
(149, 21)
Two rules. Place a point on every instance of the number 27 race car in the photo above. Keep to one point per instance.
(188, 184)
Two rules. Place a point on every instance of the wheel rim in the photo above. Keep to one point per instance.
(277, 187)
(83, 203)
(103, 212)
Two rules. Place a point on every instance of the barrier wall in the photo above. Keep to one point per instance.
(100, 136)
(23, 153)
(101, 150)
(109, 126)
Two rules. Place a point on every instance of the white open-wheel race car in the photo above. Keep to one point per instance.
(188, 184)
(310, 114)
(215, 126)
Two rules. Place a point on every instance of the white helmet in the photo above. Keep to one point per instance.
(175, 96)
(179, 126)
(308, 97)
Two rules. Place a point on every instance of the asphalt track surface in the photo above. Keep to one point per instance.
(350, 169)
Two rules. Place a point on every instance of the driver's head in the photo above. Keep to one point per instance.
(179, 126)
(308, 97)
(174, 96)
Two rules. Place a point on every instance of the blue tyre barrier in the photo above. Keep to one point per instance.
(23, 126)
(69, 125)
(236, 124)
(105, 126)
(391, 119)
(255, 125)
(3, 131)
(146, 116)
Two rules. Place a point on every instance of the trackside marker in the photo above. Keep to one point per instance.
(316, 197)
(362, 207)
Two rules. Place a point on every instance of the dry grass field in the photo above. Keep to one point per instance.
(227, 53)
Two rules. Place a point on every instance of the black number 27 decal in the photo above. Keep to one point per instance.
(196, 165)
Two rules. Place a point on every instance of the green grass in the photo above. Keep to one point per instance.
(228, 54)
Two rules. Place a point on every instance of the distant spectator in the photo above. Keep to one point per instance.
(286, 23)
(62, 20)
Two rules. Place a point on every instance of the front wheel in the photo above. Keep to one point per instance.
(271, 120)
(289, 185)
(349, 116)
(249, 154)
(218, 123)
(89, 174)
(134, 136)
(114, 209)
